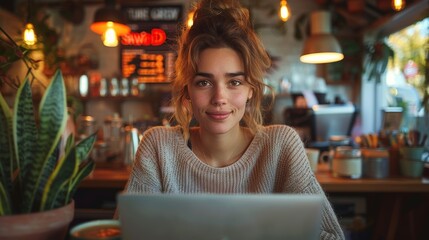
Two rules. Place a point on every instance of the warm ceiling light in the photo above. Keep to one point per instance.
(284, 11)
(190, 20)
(109, 23)
(398, 5)
(321, 46)
(109, 37)
(30, 37)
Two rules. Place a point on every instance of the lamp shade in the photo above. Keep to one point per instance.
(107, 14)
(321, 46)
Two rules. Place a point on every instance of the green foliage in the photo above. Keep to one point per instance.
(34, 176)
(377, 57)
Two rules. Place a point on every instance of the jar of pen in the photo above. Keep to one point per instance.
(402, 153)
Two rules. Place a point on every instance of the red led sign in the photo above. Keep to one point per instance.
(156, 37)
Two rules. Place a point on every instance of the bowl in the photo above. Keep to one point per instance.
(97, 230)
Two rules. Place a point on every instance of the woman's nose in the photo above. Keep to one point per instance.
(219, 96)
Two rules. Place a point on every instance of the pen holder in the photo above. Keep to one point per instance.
(411, 161)
(375, 162)
(415, 153)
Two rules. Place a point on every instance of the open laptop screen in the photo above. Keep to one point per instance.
(214, 216)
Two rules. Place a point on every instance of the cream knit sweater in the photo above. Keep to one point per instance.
(274, 162)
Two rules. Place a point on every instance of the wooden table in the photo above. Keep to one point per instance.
(391, 194)
(117, 178)
(393, 185)
(106, 178)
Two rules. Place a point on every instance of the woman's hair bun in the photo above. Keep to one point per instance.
(215, 9)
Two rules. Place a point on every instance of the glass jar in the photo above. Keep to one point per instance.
(86, 126)
(112, 130)
(347, 162)
(334, 142)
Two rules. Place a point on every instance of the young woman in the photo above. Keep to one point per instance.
(219, 71)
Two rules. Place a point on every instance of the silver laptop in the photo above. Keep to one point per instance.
(220, 217)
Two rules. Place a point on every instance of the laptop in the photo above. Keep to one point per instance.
(219, 216)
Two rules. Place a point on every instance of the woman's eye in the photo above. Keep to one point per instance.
(235, 82)
(202, 83)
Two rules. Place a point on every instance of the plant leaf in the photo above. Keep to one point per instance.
(25, 139)
(66, 168)
(5, 202)
(84, 147)
(84, 170)
(53, 117)
(7, 154)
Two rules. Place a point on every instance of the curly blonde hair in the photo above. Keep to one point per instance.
(218, 24)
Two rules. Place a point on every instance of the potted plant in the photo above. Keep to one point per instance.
(38, 177)
(377, 57)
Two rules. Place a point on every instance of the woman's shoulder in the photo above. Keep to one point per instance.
(277, 128)
(162, 132)
(280, 132)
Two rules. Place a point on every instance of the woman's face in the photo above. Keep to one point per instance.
(219, 90)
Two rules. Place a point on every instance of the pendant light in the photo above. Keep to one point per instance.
(284, 11)
(321, 46)
(398, 5)
(29, 35)
(110, 24)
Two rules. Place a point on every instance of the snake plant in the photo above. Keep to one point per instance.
(35, 174)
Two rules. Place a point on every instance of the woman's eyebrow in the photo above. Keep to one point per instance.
(209, 75)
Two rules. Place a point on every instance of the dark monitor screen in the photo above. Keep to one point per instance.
(333, 120)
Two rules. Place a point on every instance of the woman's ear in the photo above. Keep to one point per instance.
(186, 93)
(250, 95)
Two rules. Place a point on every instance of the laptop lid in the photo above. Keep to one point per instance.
(220, 217)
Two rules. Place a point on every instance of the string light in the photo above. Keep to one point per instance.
(30, 37)
(398, 5)
(190, 21)
(284, 11)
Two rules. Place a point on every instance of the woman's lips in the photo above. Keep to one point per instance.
(218, 115)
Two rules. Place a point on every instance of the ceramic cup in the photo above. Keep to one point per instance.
(415, 153)
(411, 168)
(313, 157)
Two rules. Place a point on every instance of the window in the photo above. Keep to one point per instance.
(405, 77)
(399, 32)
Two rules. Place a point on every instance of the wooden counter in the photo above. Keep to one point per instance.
(106, 178)
(388, 200)
(395, 185)
(117, 178)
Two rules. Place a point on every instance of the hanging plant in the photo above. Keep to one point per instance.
(377, 57)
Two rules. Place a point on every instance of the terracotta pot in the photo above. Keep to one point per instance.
(47, 225)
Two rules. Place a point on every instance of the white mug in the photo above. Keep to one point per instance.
(313, 157)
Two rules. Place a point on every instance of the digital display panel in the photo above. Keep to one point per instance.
(149, 51)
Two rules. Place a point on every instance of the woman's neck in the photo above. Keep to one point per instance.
(220, 150)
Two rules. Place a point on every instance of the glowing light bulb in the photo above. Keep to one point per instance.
(190, 21)
(30, 37)
(284, 11)
(109, 37)
(398, 5)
